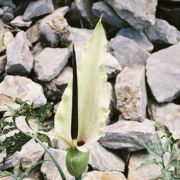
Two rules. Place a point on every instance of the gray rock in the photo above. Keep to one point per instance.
(20, 87)
(18, 22)
(138, 36)
(38, 8)
(109, 16)
(8, 3)
(56, 87)
(49, 169)
(19, 56)
(165, 65)
(162, 33)
(168, 115)
(127, 135)
(100, 175)
(127, 51)
(137, 13)
(103, 160)
(2, 63)
(50, 62)
(145, 173)
(54, 28)
(131, 94)
(8, 14)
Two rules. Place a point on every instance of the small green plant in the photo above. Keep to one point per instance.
(166, 154)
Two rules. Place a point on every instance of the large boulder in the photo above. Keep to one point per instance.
(137, 13)
(127, 135)
(131, 93)
(163, 74)
(127, 51)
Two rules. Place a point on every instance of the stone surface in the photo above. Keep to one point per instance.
(168, 115)
(162, 33)
(145, 173)
(165, 65)
(48, 168)
(131, 94)
(18, 22)
(19, 56)
(127, 135)
(8, 14)
(109, 16)
(127, 51)
(103, 160)
(2, 63)
(20, 87)
(54, 28)
(38, 8)
(56, 87)
(50, 62)
(33, 34)
(138, 36)
(8, 3)
(137, 13)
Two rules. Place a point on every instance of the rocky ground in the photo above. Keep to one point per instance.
(143, 67)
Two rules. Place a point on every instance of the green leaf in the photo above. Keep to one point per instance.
(93, 97)
(44, 138)
(175, 163)
(149, 162)
(5, 174)
(14, 143)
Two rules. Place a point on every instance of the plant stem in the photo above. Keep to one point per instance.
(78, 178)
(52, 157)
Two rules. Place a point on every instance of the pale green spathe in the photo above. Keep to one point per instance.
(92, 94)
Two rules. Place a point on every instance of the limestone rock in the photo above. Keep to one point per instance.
(33, 34)
(99, 175)
(38, 8)
(163, 74)
(50, 62)
(126, 135)
(48, 168)
(145, 173)
(109, 16)
(137, 13)
(138, 36)
(162, 33)
(103, 160)
(54, 28)
(19, 56)
(131, 93)
(127, 51)
(20, 87)
(18, 22)
(168, 115)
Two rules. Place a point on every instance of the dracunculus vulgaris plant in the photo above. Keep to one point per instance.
(84, 108)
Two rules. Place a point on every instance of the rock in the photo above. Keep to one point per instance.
(146, 173)
(8, 36)
(127, 51)
(2, 64)
(19, 56)
(137, 13)
(38, 8)
(8, 3)
(138, 36)
(50, 62)
(30, 153)
(165, 65)
(33, 34)
(48, 168)
(18, 22)
(56, 87)
(162, 33)
(109, 16)
(127, 135)
(8, 14)
(20, 87)
(103, 160)
(112, 66)
(131, 93)
(99, 175)
(168, 115)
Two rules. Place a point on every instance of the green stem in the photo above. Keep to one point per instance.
(52, 157)
(78, 178)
